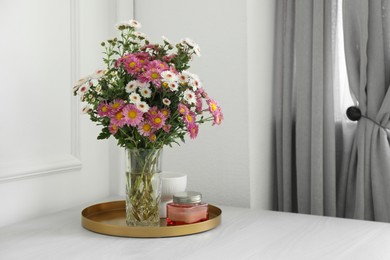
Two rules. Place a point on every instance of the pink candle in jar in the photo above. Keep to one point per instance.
(187, 208)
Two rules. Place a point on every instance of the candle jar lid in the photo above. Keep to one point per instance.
(187, 197)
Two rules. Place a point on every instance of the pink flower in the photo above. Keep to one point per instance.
(189, 118)
(132, 115)
(166, 128)
(157, 120)
(104, 109)
(165, 112)
(198, 105)
(215, 111)
(213, 106)
(183, 109)
(193, 130)
(152, 111)
(116, 105)
(218, 118)
(152, 72)
(143, 57)
(113, 128)
(131, 63)
(145, 128)
(118, 119)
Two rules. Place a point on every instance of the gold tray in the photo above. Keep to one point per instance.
(109, 218)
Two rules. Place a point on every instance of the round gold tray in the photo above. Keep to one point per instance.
(109, 218)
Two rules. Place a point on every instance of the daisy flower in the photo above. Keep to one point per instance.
(118, 119)
(104, 109)
(166, 128)
(183, 109)
(86, 109)
(131, 86)
(142, 106)
(184, 76)
(165, 112)
(189, 96)
(169, 76)
(116, 105)
(145, 92)
(145, 128)
(218, 118)
(189, 118)
(113, 128)
(83, 89)
(157, 120)
(173, 86)
(152, 137)
(193, 130)
(213, 106)
(166, 101)
(134, 98)
(134, 24)
(152, 72)
(194, 82)
(165, 39)
(132, 115)
(198, 105)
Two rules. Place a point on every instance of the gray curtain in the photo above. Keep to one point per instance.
(364, 182)
(305, 179)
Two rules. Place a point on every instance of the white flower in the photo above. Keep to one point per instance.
(140, 35)
(83, 89)
(98, 74)
(184, 76)
(134, 24)
(142, 106)
(189, 96)
(173, 86)
(98, 89)
(197, 50)
(166, 101)
(194, 81)
(165, 39)
(86, 109)
(168, 76)
(134, 98)
(145, 92)
(131, 86)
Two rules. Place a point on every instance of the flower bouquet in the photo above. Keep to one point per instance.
(146, 98)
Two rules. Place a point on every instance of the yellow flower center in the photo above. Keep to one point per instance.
(157, 120)
(132, 64)
(165, 85)
(104, 108)
(154, 75)
(213, 106)
(118, 115)
(146, 127)
(165, 112)
(132, 114)
(189, 118)
(115, 105)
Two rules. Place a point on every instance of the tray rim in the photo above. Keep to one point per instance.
(143, 232)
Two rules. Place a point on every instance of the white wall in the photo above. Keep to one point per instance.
(49, 157)
(230, 164)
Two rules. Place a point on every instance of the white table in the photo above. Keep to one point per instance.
(243, 234)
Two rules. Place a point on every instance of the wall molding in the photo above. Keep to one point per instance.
(16, 170)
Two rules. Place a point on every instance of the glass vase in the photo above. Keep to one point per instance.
(143, 187)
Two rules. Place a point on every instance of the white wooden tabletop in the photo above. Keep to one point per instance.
(243, 234)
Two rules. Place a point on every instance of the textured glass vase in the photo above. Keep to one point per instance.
(143, 187)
